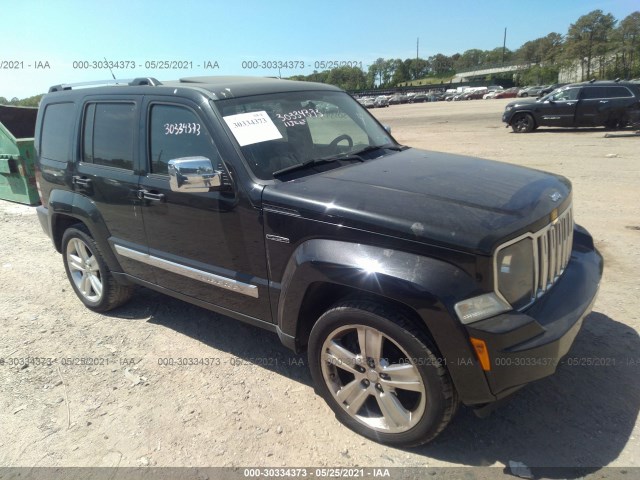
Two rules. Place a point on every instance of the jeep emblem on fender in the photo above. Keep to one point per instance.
(555, 196)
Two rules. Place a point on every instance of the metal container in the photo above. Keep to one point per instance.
(17, 155)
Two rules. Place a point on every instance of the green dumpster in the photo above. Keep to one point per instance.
(17, 156)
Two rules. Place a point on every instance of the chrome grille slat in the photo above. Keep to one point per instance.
(554, 244)
(551, 252)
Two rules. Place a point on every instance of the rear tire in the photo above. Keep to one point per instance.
(380, 374)
(88, 273)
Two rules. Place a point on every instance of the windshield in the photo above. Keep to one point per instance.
(278, 131)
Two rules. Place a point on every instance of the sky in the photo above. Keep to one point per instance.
(45, 43)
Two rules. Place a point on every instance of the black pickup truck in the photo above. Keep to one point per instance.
(415, 280)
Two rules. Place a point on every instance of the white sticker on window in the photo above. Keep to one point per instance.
(252, 127)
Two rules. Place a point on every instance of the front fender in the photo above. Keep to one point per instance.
(425, 285)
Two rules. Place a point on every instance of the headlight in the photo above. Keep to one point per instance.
(480, 307)
(515, 272)
(508, 108)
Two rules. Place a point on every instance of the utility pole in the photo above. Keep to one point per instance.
(504, 44)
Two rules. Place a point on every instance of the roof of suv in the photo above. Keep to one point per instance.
(599, 83)
(220, 86)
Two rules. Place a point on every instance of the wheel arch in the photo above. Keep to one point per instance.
(321, 273)
(523, 112)
(66, 209)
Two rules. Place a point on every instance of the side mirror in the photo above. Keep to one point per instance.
(193, 174)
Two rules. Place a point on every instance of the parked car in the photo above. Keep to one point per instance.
(368, 102)
(531, 91)
(413, 280)
(397, 99)
(589, 104)
(475, 95)
(509, 93)
(419, 98)
(381, 101)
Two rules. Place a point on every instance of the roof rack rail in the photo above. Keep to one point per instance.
(131, 81)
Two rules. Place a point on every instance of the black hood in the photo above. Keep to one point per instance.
(522, 101)
(436, 198)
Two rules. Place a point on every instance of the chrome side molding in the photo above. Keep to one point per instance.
(190, 272)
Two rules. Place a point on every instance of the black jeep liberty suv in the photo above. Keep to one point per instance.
(415, 280)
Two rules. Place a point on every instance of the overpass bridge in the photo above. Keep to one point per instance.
(488, 70)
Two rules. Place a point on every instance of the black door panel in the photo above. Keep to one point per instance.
(200, 244)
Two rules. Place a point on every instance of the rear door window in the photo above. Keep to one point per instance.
(109, 133)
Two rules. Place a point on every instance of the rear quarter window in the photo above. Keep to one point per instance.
(618, 92)
(57, 132)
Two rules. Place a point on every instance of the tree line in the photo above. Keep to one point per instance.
(597, 44)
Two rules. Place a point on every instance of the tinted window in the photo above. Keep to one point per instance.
(109, 132)
(618, 92)
(177, 132)
(565, 95)
(57, 131)
(594, 92)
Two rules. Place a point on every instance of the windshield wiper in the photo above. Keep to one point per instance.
(348, 156)
(318, 161)
(371, 148)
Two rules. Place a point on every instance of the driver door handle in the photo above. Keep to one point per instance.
(147, 195)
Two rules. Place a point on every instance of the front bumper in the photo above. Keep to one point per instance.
(526, 346)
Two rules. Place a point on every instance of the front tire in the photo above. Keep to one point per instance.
(380, 374)
(523, 123)
(88, 273)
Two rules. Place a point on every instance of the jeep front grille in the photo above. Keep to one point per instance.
(527, 266)
(552, 251)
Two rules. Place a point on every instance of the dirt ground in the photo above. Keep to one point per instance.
(254, 405)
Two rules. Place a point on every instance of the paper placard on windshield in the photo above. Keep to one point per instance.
(252, 127)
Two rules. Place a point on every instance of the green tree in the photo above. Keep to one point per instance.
(401, 71)
(627, 37)
(441, 64)
(418, 68)
(540, 50)
(376, 72)
(347, 78)
(588, 39)
(469, 60)
(494, 57)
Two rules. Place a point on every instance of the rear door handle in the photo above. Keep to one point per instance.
(604, 101)
(147, 195)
